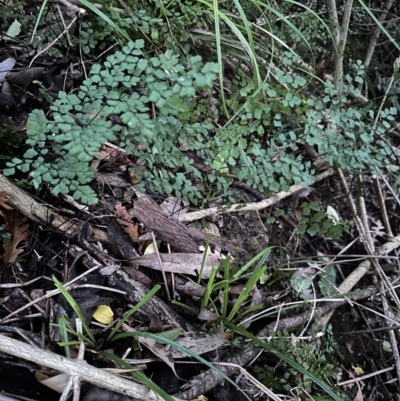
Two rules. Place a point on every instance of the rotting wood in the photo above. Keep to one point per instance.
(46, 216)
(75, 367)
(175, 233)
(120, 239)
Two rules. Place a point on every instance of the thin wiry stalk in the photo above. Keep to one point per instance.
(338, 75)
(381, 27)
(376, 33)
(219, 53)
(331, 4)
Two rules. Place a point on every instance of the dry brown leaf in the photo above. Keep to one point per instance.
(113, 157)
(359, 396)
(160, 351)
(17, 226)
(207, 316)
(199, 345)
(4, 200)
(133, 178)
(184, 263)
(236, 289)
(174, 207)
(124, 219)
(256, 297)
(116, 156)
(112, 179)
(156, 325)
(188, 287)
(56, 383)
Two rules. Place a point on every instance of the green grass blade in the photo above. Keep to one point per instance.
(153, 291)
(203, 261)
(181, 305)
(221, 284)
(138, 375)
(105, 18)
(170, 335)
(315, 15)
(245, 44)
(187, 351)
(75, 308)
(244, 294)
(284, 19)
(209, 288)
(68, 343)
(252, 309)
(243, 16)
(380, 26)
(249, 48)
(62, 326)
(39, 17)
(74, 333)
(261, 258)
(219, 54)
(225, 264)
(80, 336)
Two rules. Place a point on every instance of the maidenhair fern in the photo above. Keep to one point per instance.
(154, 108)
(128, 83)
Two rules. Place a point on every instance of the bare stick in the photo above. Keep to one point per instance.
(375, 34)
(65, 31)
(251, 206)
(73, 7)
(65, 27)
(75, 367)
(382, 207)
(338, 76)
(45, 215)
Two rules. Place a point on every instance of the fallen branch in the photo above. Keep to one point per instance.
(75, 367)
(45, 215)
(242, 207)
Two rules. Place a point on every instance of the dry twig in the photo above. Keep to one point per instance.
(251, 206)
(79, 368)
(45, 215)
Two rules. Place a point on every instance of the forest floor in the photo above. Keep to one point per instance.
(223, 275)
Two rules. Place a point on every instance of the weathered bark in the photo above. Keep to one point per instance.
(175, 233)
(243, 207)
(45, 215)
(75, 367)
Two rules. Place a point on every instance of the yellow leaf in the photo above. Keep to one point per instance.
(103, 314)
(358, 370)
(151, 248)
